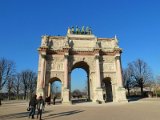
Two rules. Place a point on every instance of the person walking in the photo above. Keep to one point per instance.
(40, 107)
(32, 106)
(54, 100)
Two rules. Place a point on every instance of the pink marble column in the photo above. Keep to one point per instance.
(119, 71)
(49, 89)
(98, 82)
(66, 71)
(43, 70)
(65, 88)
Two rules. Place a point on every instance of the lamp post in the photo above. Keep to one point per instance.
(56, 91)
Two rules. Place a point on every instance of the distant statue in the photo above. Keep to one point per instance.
(77, 30)
(88, 30)
(72, 30)
(82, 30)
(66, 44)
(115, 42)
(45, 42)
(98, 44)
(69, 31)
(50, 44)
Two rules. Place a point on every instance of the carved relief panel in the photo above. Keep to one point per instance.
(55, 63)
(57, 44)
(107, 64)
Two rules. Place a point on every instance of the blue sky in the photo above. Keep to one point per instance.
(136, 24)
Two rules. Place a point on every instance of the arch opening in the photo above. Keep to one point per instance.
(79, 83)
(107, 90)
(55, 90)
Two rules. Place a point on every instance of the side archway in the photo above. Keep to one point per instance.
(55, 90)
(107, 89)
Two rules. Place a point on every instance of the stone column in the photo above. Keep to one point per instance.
(99, 90)
(120, 90)
(49, 89)
(41, 77)
(65, 89)
(119, 72)
(98, 81)
(65, 71)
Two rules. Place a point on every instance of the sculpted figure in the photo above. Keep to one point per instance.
(77, 30)
(90, 31)
(82, 31)
(87, 30)
(72, 30)
(69, 31)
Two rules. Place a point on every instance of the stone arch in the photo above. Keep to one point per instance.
(54, 79)
(83, 65)
(50, 81)
(107, 89)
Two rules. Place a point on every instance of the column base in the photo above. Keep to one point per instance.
(98, 98)
(41, 92)
(121, 95)
(65, 97)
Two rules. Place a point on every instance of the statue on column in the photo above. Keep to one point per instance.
(77, 30)
(45, 42)
(69, 31)
(83, 30)
(72, 30)
(98, 44)
(88, 30)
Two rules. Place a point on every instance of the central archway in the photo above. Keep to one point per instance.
(79, 77)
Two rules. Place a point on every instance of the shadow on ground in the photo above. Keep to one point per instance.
(63, 114)
(134, 98)
(16, 115)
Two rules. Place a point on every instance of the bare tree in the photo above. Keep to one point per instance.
(7, 68)
(9, 86)
(17, 84)
(32, 82)
(140, 72)
(77, 93)
(127, 79)
(28, 82)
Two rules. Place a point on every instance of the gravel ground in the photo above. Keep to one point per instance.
(144, 109)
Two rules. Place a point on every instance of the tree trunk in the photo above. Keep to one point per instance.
(25, 93)
(142, 90)
(128, 91)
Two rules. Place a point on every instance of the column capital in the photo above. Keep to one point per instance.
(66, 55)
(96, 50)
(66, 49)
(43, 51)
(117, 57)
(97, 56)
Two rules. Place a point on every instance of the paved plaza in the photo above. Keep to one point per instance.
(144, 109)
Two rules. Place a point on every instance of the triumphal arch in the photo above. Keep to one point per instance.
(99, 57)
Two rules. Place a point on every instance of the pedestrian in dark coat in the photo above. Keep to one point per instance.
(40, 107)
(32, 106)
